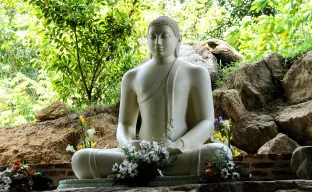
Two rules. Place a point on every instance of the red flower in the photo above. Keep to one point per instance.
(31, 172)
(17, 162)
(15, 168)
(208, 164)
(209, 172)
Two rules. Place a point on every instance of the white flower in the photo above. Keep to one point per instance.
(149, 153)
(7, 180)
(134, 173)
(165, 152)
(115, 167)
(230, 165)
(146, 158)
(224, 173)
(226, 123)
(235, 176)
(155, 146)
(153, 156)
(138, 153)
(125, 163)
(133, 170)
(145, 144)
(122, 169)
(90, 132)
(131, 149)
(18, 176)
(70, 148)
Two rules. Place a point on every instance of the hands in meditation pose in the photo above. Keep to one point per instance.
(174, 98)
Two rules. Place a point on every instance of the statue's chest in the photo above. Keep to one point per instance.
(153, 82)
(147, 79)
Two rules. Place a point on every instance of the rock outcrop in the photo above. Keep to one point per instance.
(298, 80)
(259, 82)
(56, 110)
(224, 53)
(228, 104)
(45, 142)
(278, 145)
(255, 131)
(199, 55)
(296, 122)
(301, 162)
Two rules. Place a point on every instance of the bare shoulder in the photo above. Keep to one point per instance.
(130, 75)
(196, 71)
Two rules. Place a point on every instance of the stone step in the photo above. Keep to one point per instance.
(235, 186)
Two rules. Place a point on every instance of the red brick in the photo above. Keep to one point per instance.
(42, 166)
(284, 156)
(259, 173)
(255, 156)
(70, 173)
(287, 156)
(55, 173)
(283, 173)
(263, 165)
(239, 158)
(283, 164)
(63, 165)
(242, 164)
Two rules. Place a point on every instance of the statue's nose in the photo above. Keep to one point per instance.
(158, 40)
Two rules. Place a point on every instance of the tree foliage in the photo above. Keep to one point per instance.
(91, 45)
(286, 32)
(23, 88)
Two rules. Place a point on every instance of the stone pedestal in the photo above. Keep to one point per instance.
(234, 186)
(109, 182)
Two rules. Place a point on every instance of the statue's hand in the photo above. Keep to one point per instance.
(174, 148)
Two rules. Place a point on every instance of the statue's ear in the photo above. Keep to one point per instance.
(177, 49)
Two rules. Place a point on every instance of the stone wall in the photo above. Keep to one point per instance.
(261, 166)
(267, 166)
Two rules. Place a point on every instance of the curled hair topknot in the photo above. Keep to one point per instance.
(164, 20)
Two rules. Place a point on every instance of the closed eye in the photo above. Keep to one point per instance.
(152, 36)
(165, 35)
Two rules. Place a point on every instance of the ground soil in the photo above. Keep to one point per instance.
(45, 142)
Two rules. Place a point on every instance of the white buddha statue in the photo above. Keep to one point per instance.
(174, 98)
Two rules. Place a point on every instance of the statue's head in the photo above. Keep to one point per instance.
(164, 35)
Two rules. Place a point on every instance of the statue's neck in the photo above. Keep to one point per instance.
(163, 60)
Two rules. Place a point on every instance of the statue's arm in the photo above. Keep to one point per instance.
(128, 111)
(201, 98)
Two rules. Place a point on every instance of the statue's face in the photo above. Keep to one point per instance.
(161, 41)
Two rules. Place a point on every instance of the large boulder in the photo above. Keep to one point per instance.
(254, 132)
(259, 82)
(296, 122)
(54, 111)
(199, 55)
(301, 162)
(280, 144)
(46, 141)
(228, 104)
(298, 80)
(224, 53)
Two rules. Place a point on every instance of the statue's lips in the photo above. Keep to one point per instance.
(158, 49)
